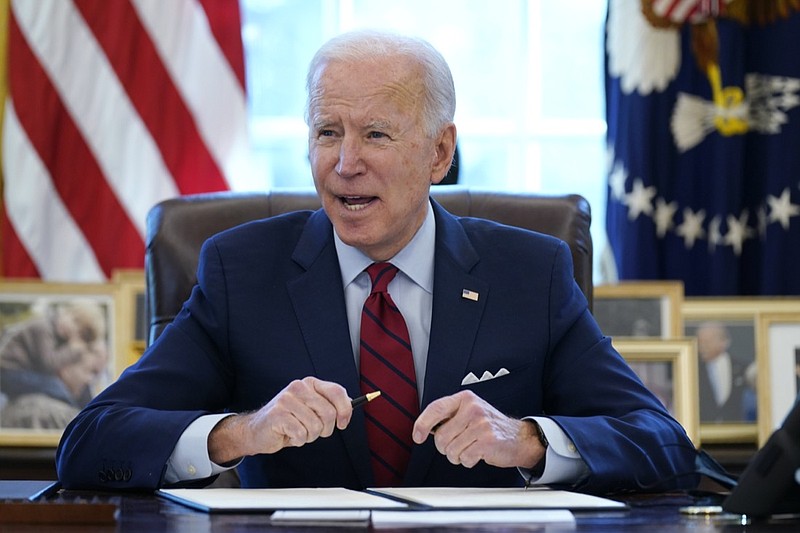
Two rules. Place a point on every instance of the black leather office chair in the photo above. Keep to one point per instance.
(177, 228)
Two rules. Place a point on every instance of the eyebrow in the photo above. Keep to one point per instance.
(379, 125)
(322, 123)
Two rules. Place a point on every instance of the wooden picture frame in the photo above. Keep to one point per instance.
(639, 309)
(739, 316)
(669, 369)
(778, 369)
(132, 340)
(57, 350)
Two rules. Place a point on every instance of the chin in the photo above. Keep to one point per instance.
(354, 238)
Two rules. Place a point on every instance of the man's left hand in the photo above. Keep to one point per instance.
(467, 429)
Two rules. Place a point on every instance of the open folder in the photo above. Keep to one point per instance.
(268, 500)
(464, 498)
(423, 498)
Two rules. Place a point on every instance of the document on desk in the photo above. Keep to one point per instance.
(267, 500)
(468, 518)
(498, 498)
(418, 499)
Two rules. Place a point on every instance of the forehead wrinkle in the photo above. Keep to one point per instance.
(406, 93)
(403, 86)
(366, 116)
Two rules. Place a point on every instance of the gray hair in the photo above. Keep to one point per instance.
(439, 103)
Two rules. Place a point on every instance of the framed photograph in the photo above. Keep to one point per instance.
(669, 369)
(640, 309)
(728, 370)
(779, 369)
(132, 340)
(57, 351)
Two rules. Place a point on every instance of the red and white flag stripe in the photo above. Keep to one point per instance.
(114, 106)
(681, 11)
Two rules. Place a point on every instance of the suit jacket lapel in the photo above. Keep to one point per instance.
(454, 323)
(318, 301)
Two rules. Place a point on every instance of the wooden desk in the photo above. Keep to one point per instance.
(144, 512)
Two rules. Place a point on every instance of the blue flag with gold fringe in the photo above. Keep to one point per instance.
(703, 111)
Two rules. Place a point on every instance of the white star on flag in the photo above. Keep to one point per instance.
(664, 215)
(782, 209)
(639, 200)
(616, 181)
(692, 227)
(738, 232)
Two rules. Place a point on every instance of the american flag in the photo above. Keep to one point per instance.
(112, 106)
(679, 11)
(703, 129)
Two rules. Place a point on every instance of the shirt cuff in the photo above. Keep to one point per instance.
(563, 463)
(189, 460)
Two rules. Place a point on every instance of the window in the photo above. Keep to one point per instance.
(528, 75)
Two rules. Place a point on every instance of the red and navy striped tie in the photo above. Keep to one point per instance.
(387, 366)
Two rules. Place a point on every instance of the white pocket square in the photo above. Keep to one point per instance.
(472, 378)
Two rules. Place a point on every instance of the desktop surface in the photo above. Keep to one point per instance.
(146, 512)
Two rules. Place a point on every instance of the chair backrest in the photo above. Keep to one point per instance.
(177, 228)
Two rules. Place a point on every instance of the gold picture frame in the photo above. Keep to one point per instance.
(778, 369)
(130, 285)
(738, 315)
(57, 350)
(669, 369)
(639, 309)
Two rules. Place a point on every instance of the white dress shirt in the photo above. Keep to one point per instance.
(412, 292)
(720, 374)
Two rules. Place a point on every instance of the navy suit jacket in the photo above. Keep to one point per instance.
(269, 308)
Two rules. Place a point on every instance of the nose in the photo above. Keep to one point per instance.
(351, 162)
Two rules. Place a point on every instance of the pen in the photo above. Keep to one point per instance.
(361, 400)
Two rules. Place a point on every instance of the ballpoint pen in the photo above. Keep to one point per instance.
(361, 400)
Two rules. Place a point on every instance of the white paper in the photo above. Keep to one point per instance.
(499, 498)
(336, 517)
(233, 499)
(516, 517)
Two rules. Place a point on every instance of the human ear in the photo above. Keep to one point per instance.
(445, 147)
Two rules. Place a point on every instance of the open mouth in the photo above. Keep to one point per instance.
(356, 203)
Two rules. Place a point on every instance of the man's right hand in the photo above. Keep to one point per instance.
(304, 411)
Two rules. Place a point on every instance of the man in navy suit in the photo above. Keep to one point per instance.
(516, 382)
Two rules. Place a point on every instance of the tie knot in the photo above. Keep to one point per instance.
(381, 274)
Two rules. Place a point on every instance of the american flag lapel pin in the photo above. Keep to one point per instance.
(469, 295)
